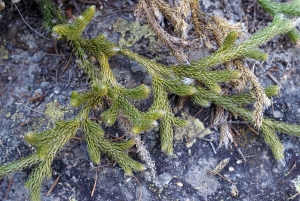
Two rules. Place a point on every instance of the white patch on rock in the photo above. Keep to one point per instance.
(197, 177)
(162, 180)
(278, 114)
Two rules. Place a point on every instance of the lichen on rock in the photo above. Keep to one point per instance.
(191, 132)
(132, 32)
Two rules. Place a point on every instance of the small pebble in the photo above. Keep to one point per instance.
(189, 152)
(278, 114)
(179, 184)
(128, 180)
(56, 91)
(239, 161)
(275, 170)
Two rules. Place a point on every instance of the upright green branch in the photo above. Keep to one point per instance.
(51, 15)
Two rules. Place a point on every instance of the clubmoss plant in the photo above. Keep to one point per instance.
(197, 80)
(52, 16)
(290, 9)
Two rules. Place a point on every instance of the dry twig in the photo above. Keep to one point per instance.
(8, 188)
(53, 186)
(30, 108)
(294, 166)
(141, 190)
(95, 183)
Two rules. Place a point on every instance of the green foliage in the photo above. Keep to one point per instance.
(97, 144)
(51, 15)
(73, 31)
(197, 81)
(268, 128)
(243, 99)
(18, 165)
(291, 9)
(138, 93)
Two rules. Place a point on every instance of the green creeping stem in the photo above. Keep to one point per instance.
(291, 9)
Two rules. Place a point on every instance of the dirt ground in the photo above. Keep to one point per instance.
(33, 74)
